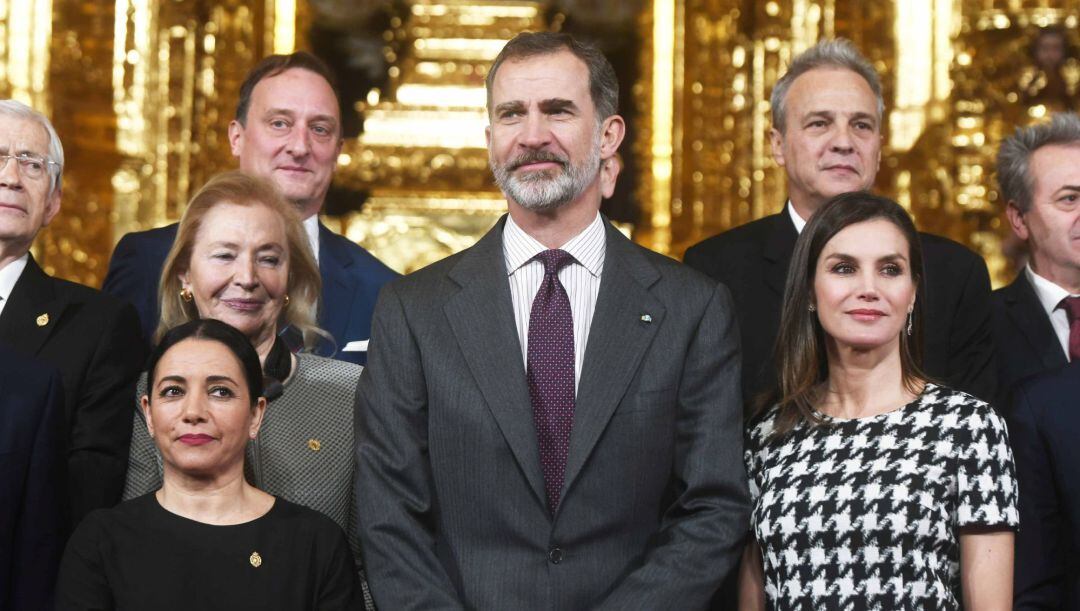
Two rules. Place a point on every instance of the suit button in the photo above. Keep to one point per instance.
(555, 555)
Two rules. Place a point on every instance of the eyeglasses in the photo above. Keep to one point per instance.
(30, 166)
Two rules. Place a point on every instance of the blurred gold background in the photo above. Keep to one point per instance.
(141, 92)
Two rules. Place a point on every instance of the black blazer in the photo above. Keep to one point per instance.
(1024, 339)
(94, 341)
(753, 259)
(32, 486)
(1044, 426)
(351, 279)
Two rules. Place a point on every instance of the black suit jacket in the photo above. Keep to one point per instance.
(32, 487)
(753, 259)
(1044, 429)
(1024, 339)
(94, 341)
(351, 279)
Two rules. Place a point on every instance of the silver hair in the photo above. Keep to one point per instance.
(838, 53)
(1014, 156)
(18, 110)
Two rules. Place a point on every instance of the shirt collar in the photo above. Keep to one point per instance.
(1049, 294)
(9, 275)
(587, 247)
(311, 227)
(795, 218)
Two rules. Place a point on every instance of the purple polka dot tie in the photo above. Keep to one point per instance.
(550, 372)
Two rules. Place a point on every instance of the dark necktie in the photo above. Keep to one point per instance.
(1071, 305)
(550, 372)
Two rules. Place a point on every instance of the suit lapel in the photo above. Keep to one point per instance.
(778, 249)
(338, 286)
(617, 342)
(482, 319)
(33, 311)
(1027, 313)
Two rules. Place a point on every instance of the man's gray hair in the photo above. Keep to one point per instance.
(1014, 156)
(18, 110)
(838, 53)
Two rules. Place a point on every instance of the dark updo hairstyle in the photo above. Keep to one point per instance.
(209, 329)
(802, 364)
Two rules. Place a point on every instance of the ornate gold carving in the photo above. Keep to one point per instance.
(423, 154)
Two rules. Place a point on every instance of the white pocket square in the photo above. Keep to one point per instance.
(357, 346)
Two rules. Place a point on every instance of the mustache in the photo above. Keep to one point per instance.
(536, 157)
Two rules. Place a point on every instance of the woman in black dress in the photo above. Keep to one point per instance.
(207, 539)
(873, 487)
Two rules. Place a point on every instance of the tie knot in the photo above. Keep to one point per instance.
(1071, 305)
(554, 260)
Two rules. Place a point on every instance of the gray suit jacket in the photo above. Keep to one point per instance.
(452, 509)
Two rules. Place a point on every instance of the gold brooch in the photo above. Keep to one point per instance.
(43, 320)
(314, 444)
(255, 559)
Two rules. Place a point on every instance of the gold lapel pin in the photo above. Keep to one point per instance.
(314, 444)
(43, 320)
(255, 559)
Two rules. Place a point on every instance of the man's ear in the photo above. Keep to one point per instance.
(52, 205)
(1016, 220)
(612, 132)
(236, 138)
(776, 141)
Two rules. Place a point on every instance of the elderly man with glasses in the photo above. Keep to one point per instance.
(92, 339)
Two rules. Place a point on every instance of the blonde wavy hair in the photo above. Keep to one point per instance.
(304, 284)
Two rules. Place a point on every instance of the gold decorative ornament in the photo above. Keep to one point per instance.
(255, 559)
(314, 444)
(185, 294)
(286, 301)
(43, 320)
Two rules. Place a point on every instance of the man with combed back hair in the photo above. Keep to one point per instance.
(827, 112)
(287, 129)
(1037, 332)
(550, 419)
(91, 338)
(1037, 316)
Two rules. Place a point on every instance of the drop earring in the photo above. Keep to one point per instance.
(910, 320)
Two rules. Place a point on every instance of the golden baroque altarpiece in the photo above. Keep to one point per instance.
(141, 92)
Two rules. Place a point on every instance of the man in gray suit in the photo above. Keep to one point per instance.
(551, 419)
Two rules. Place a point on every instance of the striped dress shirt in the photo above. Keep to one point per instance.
(581, 279)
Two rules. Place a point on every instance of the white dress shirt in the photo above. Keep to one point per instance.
(1050, 296)
(799, 221)
(311, 227)
(9, 275)
(580, 278)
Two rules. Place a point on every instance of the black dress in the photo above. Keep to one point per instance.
(140, 556)
(866, 513)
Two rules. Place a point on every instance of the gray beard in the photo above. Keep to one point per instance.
(542, 191)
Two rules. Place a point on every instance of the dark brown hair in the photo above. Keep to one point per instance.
(273, 65)
(802, 366)
(603, 85)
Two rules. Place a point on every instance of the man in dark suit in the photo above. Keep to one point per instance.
(32, 491)
(91, 338)
(827, 112)
(1037, 317)
(550, 419)
(1044, 425)
(288, 129)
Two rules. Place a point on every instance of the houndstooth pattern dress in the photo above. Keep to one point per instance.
(304, 451)
(866, 513)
